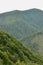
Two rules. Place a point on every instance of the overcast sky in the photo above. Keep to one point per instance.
(9, 5)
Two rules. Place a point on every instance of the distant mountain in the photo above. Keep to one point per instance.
(22, 23)
(12, 52)
(35, 42)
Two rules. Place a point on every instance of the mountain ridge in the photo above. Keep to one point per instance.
(36, 9)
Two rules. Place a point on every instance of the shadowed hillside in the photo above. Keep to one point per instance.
(35, 42)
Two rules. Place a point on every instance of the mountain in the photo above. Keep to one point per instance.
(22, 23)
(12, 52)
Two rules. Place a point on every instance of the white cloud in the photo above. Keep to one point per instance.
(8, 5)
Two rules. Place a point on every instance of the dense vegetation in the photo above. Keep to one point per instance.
(12, 52)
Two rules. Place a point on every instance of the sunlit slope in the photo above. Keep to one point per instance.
(12, 52)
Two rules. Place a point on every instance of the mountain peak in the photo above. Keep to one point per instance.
(33, 9)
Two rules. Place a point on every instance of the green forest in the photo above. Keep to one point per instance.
(12, 52)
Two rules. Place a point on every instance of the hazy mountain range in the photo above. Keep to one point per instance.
(22, 23)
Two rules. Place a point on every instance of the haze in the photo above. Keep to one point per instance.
(9, 5)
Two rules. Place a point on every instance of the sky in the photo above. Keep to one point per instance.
(10, 5)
